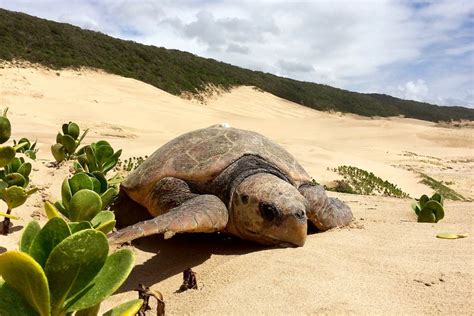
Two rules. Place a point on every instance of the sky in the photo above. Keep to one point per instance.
(414, 49)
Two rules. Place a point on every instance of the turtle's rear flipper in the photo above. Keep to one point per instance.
(323, 211)
(201, 214)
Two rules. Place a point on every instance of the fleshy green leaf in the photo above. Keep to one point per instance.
(129, 308)
(25, 275)
(60, 207)
(17, 179)
(13, 303)
(103, 181)
(15, 164)
(51, 210)
(79, 182)
(5, 128)
(92, 311)
(426, 216)
(102, 153)
(438, 197)
(66, 193)
(25, 169)
(3, 185)
(59, 136)
(7, 153)
(104, 221)
(78, 226)
(69, 144)
(65, 128)
(14, 196)
(108, 197)
(416, 207)
(53, 232)
(29, 234)
(115, 271)
(112, 161)
(91, 158)
(423, 199)
(436, 208)
(106, 227)
(58, 151)
(84, 205)
(73, 264)
(73, 130)
(102, 143)
(78, 166)
(102, 217)
(96, 184)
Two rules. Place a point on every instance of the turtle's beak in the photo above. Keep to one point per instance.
(298, 230)
(292, 231)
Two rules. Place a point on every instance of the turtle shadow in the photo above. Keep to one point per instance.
(175, 255)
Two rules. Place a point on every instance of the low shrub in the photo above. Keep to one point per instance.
(429, 210)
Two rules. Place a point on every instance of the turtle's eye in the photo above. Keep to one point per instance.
(268, 211)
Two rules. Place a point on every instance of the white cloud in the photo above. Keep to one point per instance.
(414, 90)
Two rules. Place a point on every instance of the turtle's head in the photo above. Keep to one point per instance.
(268, 210)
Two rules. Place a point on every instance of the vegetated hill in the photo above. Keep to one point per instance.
(60, 45)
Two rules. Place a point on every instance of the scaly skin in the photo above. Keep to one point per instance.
(202, 214)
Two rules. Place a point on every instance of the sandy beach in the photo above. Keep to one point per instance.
(383, 263)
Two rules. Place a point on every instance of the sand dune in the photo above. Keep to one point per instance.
(385, 263)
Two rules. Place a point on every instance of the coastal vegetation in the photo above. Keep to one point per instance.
(28, 148)
(59, 45)
(359, 181)
(14, 174)
(131, 163)
(438, 186)
(67, 142)
(429, 210)
(62, 269)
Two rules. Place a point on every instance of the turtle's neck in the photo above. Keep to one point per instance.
(230, 178)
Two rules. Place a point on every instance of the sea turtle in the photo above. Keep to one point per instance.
(223, 179)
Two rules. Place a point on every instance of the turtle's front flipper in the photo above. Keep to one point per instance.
(323, 211)
(201, 214)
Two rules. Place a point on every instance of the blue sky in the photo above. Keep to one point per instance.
(420, 49)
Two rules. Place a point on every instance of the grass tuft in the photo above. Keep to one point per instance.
(439, 187)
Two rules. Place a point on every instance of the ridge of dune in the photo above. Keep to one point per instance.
(380, 264)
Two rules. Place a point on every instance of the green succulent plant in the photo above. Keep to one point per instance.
(29, 149)
(62, 270)
(67, 142)
(7, 153)
(5, 127)
(14, 196)
(16, 172)
(13, 182)
(99, 157)
(85, 198)
(14, 178)
(429, 210)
